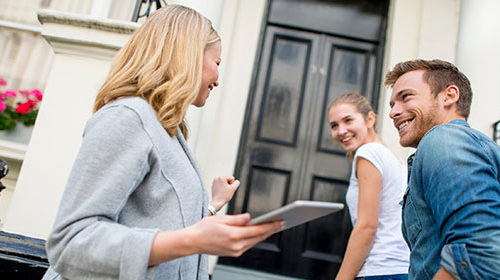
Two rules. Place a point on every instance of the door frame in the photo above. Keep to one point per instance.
(375, 89)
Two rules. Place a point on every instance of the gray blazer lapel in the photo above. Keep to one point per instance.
(185, 146)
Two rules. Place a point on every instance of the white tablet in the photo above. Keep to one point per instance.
(298, 212)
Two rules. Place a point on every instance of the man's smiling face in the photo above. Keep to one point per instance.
(414, 108)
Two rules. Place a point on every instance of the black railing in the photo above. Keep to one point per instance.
(139, 6)
(22, 257)
(496, 132)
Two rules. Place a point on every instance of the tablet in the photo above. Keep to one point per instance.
(298, 212)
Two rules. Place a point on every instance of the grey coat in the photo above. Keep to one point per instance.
(129, 181)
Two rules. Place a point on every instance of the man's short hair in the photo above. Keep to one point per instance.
(438, 75)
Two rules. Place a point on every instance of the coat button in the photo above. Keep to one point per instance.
(463, 265)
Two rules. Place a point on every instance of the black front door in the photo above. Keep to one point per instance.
(286, 152)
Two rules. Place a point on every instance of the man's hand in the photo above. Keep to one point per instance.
(443, 274)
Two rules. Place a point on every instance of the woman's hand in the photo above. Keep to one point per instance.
(225, 235)
(228, 235)
(223, 188)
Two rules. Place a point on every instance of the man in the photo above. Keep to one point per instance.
(451, 209)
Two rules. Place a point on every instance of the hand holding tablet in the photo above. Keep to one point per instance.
(298, 212)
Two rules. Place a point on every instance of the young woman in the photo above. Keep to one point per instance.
(376, 249)
(135, 206)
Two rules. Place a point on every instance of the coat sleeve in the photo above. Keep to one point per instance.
(87, 241)
(461, 187)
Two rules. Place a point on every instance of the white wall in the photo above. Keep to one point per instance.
(478, 56)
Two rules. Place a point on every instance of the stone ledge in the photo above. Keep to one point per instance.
(86, 21)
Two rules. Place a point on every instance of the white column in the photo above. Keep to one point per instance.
(100, 8)
(478, 57)
(122, 9)
(84, 48)
(438, 29)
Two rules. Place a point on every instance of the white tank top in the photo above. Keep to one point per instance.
(389, 253)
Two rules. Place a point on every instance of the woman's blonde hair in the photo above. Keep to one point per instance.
(162, 63)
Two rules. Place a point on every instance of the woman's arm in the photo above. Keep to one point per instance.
(224, 235)
(87, 240)
(363, 233)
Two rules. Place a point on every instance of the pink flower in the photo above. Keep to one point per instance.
(2, 106)
(37, 93)
(5, 95)
(2, 82)
(25, 107)
(10, 93)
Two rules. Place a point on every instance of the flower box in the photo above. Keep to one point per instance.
(18, 111)
(20, 134)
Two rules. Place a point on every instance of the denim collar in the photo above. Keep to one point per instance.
(460, 122)
(412, 156)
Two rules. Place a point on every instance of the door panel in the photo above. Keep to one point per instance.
(354, 18)
(284, 89)
(350, 69)
(260, 197)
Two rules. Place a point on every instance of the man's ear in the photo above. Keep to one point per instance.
(450, 95)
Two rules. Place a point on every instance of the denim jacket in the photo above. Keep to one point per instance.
(451, 209)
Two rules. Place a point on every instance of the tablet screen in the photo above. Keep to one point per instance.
(298, 212)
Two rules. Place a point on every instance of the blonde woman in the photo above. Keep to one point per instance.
(135, 206)
(376, 249)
